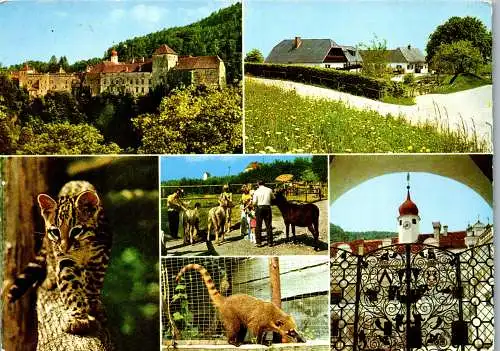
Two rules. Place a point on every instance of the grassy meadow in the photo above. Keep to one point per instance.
(278, 121)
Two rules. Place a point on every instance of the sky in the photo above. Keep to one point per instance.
(38, 29)
(177, 167)
(373, 205)
(350, 22)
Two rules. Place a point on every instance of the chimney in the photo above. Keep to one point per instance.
(445, 230)
(437, 228)
(142, 59)
(297, 42)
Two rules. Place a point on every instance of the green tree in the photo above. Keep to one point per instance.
(53, 66)
(254, 55)
(461, 28)
(8, 133)
(457, 57)
(61, 107)
(375, 57)
(63, 63)
(194, 120)
(320, 167)
(64, 138)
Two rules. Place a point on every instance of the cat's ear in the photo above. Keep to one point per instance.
(88, 199)
(46, 203)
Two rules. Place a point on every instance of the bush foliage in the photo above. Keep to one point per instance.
(339, 80)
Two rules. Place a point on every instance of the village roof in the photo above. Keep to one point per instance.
(198, 62)
(164, 49)
(309, 51)
(406, 54)
(453, 240)
(111, 67)
(351, 53)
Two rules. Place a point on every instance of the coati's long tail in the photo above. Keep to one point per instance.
(215, 295)
(35, 272)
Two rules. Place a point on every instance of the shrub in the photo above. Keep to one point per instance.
(351, 83)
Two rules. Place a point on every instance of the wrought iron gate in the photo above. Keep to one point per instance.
(412, 297)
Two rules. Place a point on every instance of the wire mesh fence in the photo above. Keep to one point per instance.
(188, 314)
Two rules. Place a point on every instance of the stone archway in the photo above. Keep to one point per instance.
(474, 171)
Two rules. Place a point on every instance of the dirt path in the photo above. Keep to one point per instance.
(235, 245)
(470, 109)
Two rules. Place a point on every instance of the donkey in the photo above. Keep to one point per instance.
(190, 221)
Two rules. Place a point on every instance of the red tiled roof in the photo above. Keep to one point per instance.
(164, 49)
(110, 67)
(199, 62)
(453, 240)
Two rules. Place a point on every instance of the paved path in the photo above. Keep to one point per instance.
(470, 109)
(235, 245)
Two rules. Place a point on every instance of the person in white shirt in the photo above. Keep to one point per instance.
(262, 198)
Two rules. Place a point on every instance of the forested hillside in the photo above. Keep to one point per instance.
(337, 234)
(218, 34)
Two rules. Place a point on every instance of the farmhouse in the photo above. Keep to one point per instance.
(315, 52)
(405, 60)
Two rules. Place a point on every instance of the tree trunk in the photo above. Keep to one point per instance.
(25, 178)
(35, 321)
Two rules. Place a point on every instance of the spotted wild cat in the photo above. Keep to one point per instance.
(74, 255)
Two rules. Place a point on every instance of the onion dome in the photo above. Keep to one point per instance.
(408, 207)
(114, 52)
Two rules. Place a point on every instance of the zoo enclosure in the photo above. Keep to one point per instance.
(304, 294)
(409, 296)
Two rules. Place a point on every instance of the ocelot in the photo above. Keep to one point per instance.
(73, 257)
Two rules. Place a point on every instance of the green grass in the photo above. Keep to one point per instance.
(462, 82)
(404, 100)
(279, 121)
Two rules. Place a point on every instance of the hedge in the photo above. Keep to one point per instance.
(351, 83)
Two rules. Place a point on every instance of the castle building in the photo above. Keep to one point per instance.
(137, 77)
(165, 66)
(39, 84)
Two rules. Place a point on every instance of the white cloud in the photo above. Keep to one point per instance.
(148, 13)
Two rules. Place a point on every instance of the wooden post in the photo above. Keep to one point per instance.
(274, 275)
(25, 178)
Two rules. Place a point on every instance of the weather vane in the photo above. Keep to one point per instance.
(408, 180)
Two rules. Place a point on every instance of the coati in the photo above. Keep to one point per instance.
(240, 312)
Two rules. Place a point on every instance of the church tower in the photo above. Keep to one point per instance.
(408, 220)
(114, 56)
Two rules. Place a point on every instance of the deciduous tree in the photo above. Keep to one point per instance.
(461, 28)
(457, 57)
(254, 55)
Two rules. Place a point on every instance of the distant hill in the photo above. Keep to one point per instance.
(218, 34)
(338, 234)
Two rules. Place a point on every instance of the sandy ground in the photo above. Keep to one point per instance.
(235, 245)
(469, 109)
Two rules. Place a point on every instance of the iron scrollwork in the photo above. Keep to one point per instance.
(412, 297)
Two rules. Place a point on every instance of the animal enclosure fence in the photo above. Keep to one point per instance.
(412, 297)
(188, 316)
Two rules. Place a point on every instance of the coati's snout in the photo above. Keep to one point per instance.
(293, 334)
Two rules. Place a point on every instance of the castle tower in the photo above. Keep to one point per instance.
(114, 56)
(408, 220)
(164, 59)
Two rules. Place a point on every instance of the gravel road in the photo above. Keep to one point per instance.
(234, 245)
(469, 109)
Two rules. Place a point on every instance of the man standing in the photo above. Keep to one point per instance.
(174, 206)
(262, 201)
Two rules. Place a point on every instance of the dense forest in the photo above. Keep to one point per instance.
(218, 34)
(337, 234)
(312, 169)
(181, 120)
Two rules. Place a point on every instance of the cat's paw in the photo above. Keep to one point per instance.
(80, 325)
